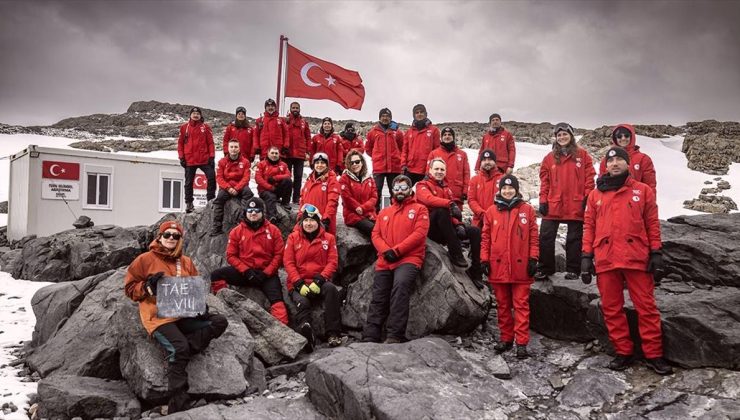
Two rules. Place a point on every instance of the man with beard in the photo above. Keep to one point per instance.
(419, 140)
(270, 131)
(458, 168)
(196, 151)
(500, 140)
(241, 130)
(483, 187)
(383, 145)
(299, 138)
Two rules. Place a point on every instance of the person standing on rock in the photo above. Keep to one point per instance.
(566, 178)
(254, 253)
(500, 140)
(622, 246)
(232, 177)
(311, 260)
(270, 130)
(273, 183)
(483, 187)
(322, 190)
(420, 139)
(458, 168)
(509, 253)
(182, 338)
(399, 237)
(329, 143)
(241, 130)
(299, 138)
(445, 220)
(196, 150)
(358, 192)
(384, 144)
(641, 166)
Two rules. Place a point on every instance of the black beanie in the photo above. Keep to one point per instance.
(385, 111)
(241, 109)
(417, 107)
(494, 115)
(448, 130)
(618, 151)
(348, 126)
(255, 202)
(270, 102)
(488, 154)
(327, 119)
(509, 180)
(196, 109)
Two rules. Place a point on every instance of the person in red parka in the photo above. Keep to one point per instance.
(311, 260)
(399, 237)
(384, 144)
(299, 137)
(419, 140)
(241, 130)
(254, 253)
(622, 246)
(500, 140)
(566, 177)
(196, 150)
(458, 168)
(322, 190)
(358, 193)
(329, 143)
(273, 183)
(270, 130)
(232, 177)
(351, 140)
(509, 253)
(483, 187)
(641, 166)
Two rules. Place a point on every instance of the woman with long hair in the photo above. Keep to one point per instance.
(359, 193)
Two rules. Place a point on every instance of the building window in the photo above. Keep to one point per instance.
(98, 187)
(171, 194)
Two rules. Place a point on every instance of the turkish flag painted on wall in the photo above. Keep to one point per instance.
(60, 170)
(313, 78)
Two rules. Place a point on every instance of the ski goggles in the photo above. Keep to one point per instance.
(320, 156)
(174, 235)
(563, 127)
(309, 210)
(401, 187)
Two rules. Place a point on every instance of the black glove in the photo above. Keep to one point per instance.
(151, 283)
(656, 262)
(531, 267)
(249, 274)
(485, 267)
(211, 162)
(326, 223)
(183, 163)
(285, 151)
(460, 231)
(544, 209)
(260, 276)
(464, 197)
(587, 268)
(390, 256)
(271, 179)
(319, 279)
(455, 211)
(405, 170)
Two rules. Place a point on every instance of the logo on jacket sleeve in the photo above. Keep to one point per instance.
(578, 162)
(412, 213)
(637, 166)
(325, 245)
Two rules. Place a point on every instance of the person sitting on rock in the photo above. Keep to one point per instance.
(359, 194)
(241, 130)
(483, 187)
(509, 253)
(182, 338)
(458, 168)
(445, 220)
(254, 253)
(326, 141)
(232, 176)
(622, 235)
(311, 260)
(322, 190)
(641, 166)
(399, 237)
(501, 142)
(273, 183)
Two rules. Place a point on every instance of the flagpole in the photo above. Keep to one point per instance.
(283, 39)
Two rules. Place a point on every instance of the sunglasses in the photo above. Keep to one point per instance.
(176, 236)
(624, 135)
(401, 187)
(253, 210)
(355, 162)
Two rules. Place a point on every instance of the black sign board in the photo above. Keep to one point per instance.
(181, 297)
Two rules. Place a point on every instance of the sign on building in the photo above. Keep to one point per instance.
(181, 297)
(60, 180)
(200, 188)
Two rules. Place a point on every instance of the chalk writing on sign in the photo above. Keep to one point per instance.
(181, 297)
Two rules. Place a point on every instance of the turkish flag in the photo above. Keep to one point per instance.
(313, 78)
(60, 170)
(200, 182)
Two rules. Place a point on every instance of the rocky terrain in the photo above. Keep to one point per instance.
(711, 146)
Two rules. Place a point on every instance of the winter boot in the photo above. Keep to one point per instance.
(521, 352)
(392, 340)
(503, 346)
(571, 276)
(541, 276)
(189, 208)
(458, 260)
(621, 362)
(476, 275)
(334, 341)
(178, 402)
(307, 331)
(659, 365)
(216, 231)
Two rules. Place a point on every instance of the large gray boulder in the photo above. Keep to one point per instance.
(66, 397)
(255, 409)
(558, 308)
(356, 253)
(444, 301)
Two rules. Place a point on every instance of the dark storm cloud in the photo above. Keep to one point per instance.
(590, 63)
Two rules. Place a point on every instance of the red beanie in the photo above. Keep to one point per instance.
(170, 224)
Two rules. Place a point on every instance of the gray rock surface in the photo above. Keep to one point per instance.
(711, 146)
(356, 253)
(66, 397)
(257, 409)
(558, 308)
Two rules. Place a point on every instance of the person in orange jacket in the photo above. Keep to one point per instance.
(566, 178)
(241, 130)
(181, 338)
(358, 193)
(419, 140)
(270, 130)
(501, 141)
(458, 168)
(299, 137)
(322, 190)
(311, 260)
(196, 151)
(273, 183)
(399, 237)
(641, 166)
(254, 253)
(622, 246)
(329, 143)
(483, 187)
(509, 258)
(384, 144)
(232, 177)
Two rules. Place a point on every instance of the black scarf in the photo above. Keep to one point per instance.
(255, 225)
(273, 162)
(241, 124)
(448, 146)
(503, 204)
(607, 182)
(310, 236)
(385, 126)
(420, 125)
(347, 135)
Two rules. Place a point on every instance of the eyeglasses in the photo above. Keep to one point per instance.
(355, 162)
(176, 236)
(624, 135)
(255, 210)
(401, 187)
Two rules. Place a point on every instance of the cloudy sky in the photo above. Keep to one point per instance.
(589, 63)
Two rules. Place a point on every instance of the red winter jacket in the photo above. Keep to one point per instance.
(260, 249)
(358, 143)
(233, 173)
(331, 145)
(299, 137)
(502, 144)
(433, 195)
(483, 188)
(267, 169)
(641, 166)
(384, 147)
(416, 147)
(458, 170)
(270, 131)
(304, 259)
(621, 227)
(245, 135)
(324, 194)
(509, 240)
(357, 193)
(195, 143)
(402, 227)
(565, 186)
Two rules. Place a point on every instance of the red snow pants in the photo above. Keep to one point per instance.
(512, 306)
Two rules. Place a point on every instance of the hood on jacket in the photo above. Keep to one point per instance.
(633, 137)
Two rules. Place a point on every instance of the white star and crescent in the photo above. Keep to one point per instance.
(51, 170)
(304, 76)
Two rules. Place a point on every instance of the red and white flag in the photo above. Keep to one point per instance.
(313, 78)
(200, 182)
(60, 170)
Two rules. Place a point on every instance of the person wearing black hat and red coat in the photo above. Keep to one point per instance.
(328, 142)
(458, 168)
(196, 150)
(622, 246)
(420, 139)
(384, 144)
(483, 187)
(270, 130)
(273, 183)
(641, 166)
(322, 190)
(232, 177)
(501, 141)
(241, 130)
(299, 137)
(351, 140)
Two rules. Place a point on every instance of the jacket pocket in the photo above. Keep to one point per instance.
(636, 250)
